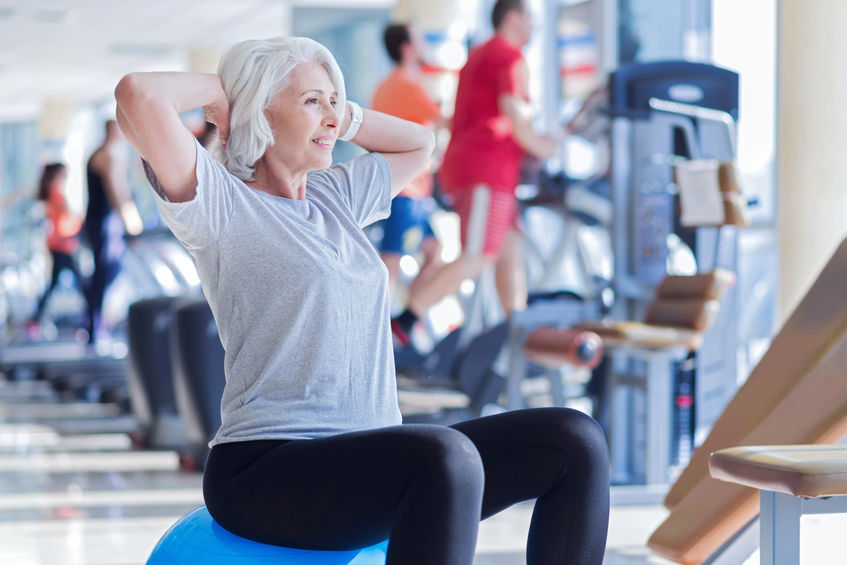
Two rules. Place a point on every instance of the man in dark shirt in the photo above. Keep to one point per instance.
(111, 213)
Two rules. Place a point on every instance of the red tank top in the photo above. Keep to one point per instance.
(482, 149)
(63, 228)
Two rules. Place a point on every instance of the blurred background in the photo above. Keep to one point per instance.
(758, 84)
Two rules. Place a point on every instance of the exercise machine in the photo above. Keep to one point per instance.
(663, 114)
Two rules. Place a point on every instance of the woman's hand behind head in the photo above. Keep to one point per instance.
(217, 113)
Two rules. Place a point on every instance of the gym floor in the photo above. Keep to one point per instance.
(70, 495)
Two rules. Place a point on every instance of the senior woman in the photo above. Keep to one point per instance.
(310, 452)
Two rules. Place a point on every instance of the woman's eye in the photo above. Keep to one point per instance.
(333, 102)
(312, 101)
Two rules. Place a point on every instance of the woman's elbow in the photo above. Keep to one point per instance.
(125, 89)
(425, 149)
(130, 92)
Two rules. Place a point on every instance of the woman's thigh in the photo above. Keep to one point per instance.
(339, 492)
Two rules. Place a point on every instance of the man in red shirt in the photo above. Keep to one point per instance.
(407, 229)
(491, 133)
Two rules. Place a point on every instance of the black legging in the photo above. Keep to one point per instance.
(105, 237)
(61, 261)
(424, 487)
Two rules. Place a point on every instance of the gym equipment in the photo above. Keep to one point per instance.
(150, 378)
(92, 389)
(197, 360)
(553, 347)
(434, 367)
(675, 322)
(468, 370)
(153, 264)
(793, 480)
(558, 352)
(797, 394)
(157, 264)
(567, 237)
(471, 370)
(665, 114)
(803, 340)
(542, 343)
(197, 538)
(682, 309)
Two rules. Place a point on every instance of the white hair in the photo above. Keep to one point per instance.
(252, 73)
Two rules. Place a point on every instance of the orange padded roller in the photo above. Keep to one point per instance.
(554, 347)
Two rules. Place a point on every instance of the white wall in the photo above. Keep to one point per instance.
(812, 133)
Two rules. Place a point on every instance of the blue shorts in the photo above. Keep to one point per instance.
(407, 226)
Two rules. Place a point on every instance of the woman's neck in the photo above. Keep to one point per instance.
(275, 178)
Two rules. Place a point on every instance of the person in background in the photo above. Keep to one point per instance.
(62, 236)
(111, 213)
(311, 451)
(407, 230)
(491, 135)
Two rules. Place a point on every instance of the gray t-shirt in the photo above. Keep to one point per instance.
(300, 298)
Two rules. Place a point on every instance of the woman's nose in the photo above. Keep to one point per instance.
(331, 119)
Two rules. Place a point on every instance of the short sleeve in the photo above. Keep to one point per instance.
(508, 79)
(201, 220)
(364, 185)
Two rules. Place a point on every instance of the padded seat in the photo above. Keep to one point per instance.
(197, 538)
(793, 480)
(806, 471)
(630, 334)
(682, 309)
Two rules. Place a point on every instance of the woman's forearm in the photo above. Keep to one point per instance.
(386, 134)
(182, 91)
(148, 102)
(406, 146)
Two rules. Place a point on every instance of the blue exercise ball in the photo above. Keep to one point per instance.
(196, 538)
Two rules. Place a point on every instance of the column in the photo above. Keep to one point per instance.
(812, 141)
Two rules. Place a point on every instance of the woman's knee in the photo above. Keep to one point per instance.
(448, 457)
(577, 433)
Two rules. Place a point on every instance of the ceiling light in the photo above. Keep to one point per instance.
(54, 15)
